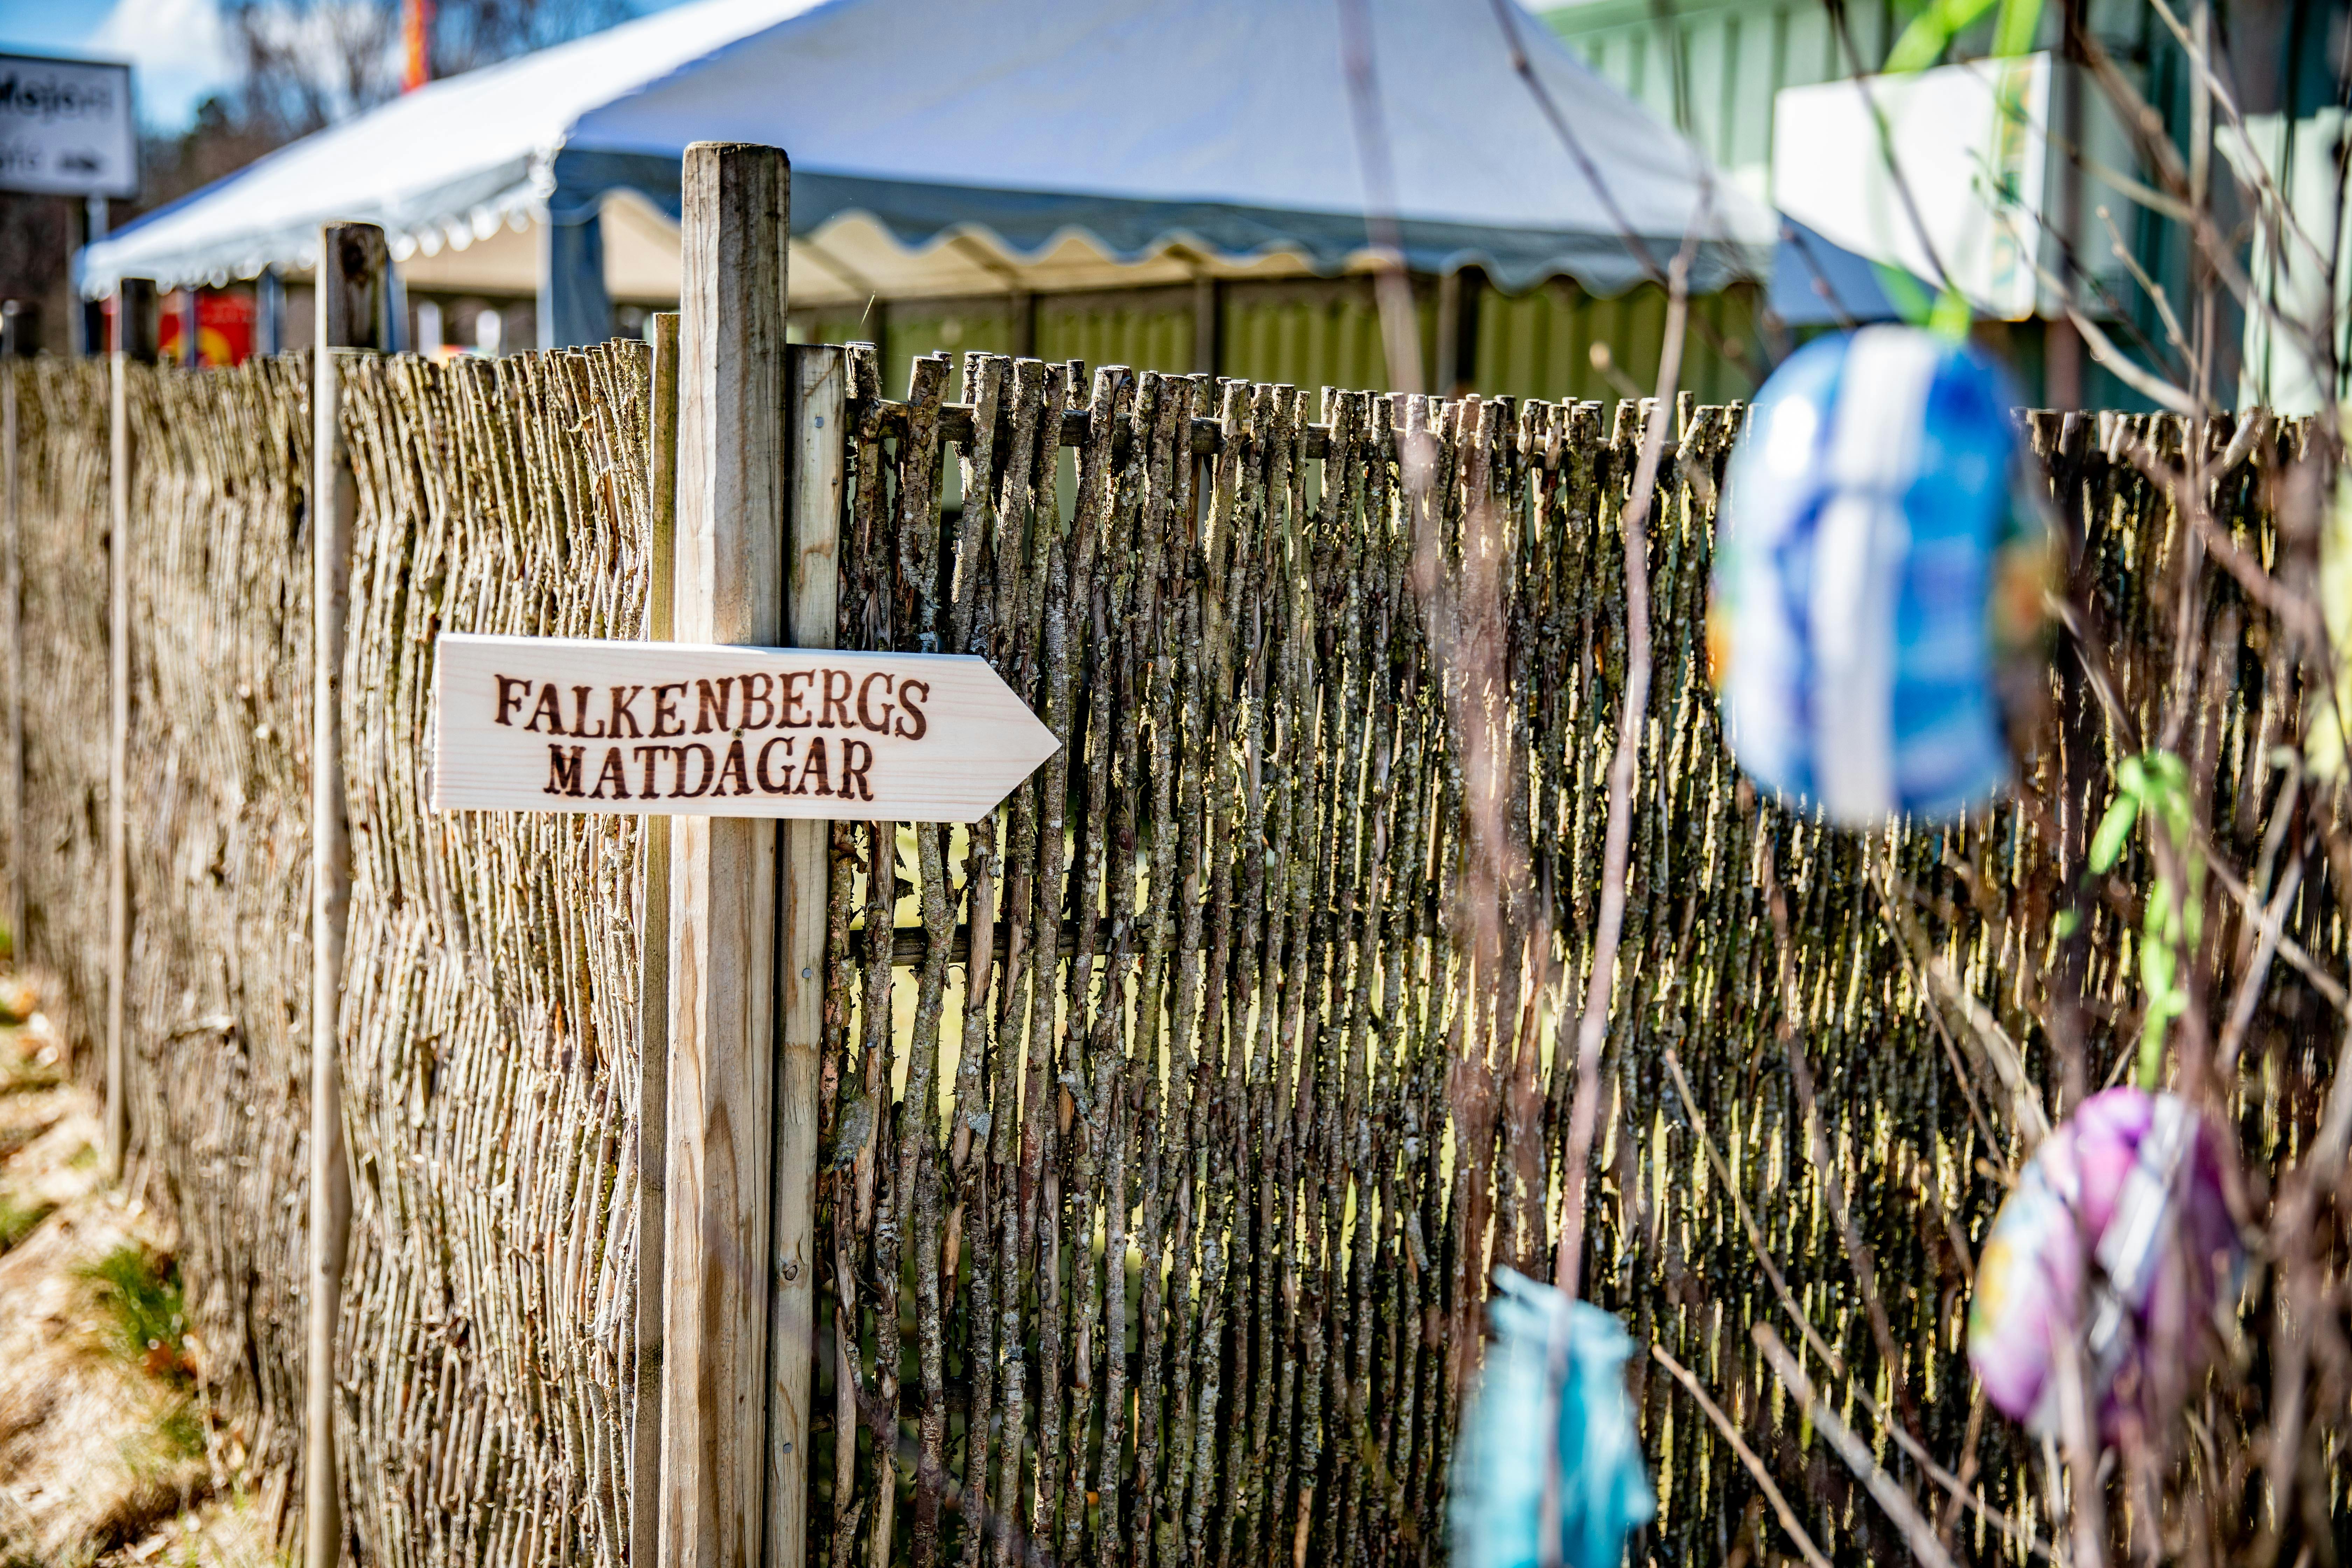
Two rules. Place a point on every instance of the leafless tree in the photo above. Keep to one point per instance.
(307, 63)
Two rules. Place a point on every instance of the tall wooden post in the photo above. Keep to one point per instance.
(819, 387)
(354, 264)
(653, 985)
(734, 464)
(134, 339)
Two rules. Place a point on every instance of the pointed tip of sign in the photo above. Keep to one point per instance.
(1030, 746)
(1042, 744)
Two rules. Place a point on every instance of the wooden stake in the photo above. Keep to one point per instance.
(733, 467)
(820, 387)
(653, 989)
(353, 268)
(11, 607)
(134, 300)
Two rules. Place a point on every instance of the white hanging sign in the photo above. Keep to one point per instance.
(65, 128)
(699, 729)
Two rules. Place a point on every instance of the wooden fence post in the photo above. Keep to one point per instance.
(820, 384)
(653, 986)
(354, 264)
(732, 465)
(12, 607)
(118, 737)
(134, 337)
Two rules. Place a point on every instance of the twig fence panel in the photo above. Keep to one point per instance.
(63, 466)
(1156, 1194)
(1173, 1115)
(219, 828)
(219, 834)
(489, 1036)
(489, 1008)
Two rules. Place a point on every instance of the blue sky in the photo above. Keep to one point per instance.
(176, 48)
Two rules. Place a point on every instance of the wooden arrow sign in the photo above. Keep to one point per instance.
(694, 730)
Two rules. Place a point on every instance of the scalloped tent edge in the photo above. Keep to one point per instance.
(1124, 122)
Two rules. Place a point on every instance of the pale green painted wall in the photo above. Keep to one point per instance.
(1537, 344)
(1734, 55)
(1313, 337)
(1541, 344)
(1153, 333)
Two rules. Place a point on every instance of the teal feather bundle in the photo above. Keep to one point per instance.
(1554, 1384)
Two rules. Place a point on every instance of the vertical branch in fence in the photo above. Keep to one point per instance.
(353, 266)
(652, 971)
(732, 465)
(134, 301)
(819, 386)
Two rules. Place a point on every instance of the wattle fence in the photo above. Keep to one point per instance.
(1154, 1216)
(489, 1046)
(219, 850)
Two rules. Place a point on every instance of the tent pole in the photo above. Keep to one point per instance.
(876, 328)
(1024, 324)
(1208, 324)
(573, 308)
(393, 336)
(1457, 330)
(90, 315)
(270, 311)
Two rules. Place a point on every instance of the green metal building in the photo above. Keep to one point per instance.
(1552, 342)
(1714, 68)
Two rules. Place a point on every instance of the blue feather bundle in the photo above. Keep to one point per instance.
(1554, 1383)
(1878, 623)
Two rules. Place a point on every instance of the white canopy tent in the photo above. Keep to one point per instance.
(943, 147)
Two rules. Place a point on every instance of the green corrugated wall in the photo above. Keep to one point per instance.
(1541, 344)
(1153, 333)
(1315, 334)
(1734, 56)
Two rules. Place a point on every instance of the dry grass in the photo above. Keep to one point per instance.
(102, 1433)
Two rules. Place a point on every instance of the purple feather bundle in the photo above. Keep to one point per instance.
(2119, 1232)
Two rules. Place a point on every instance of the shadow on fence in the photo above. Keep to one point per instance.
(1147, 1232)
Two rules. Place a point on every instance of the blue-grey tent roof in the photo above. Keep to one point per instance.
(1141, 124)
(1817, 282)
